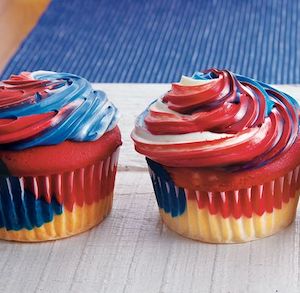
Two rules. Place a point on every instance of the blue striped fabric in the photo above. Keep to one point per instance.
(158, 40)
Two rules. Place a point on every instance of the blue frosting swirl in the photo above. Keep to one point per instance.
(82, 114)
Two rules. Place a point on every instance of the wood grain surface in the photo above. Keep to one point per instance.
(17, 18)
(132, 251)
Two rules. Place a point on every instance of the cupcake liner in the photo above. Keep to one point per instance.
(64, 225)
(37, 208)
(226, 216)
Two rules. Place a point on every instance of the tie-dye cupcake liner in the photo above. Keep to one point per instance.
(41, 208)
(231, 216)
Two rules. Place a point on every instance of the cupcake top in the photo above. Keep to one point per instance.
(47, 108)
(217, 119)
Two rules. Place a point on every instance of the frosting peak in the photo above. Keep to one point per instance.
(215, 119)
(48, 108)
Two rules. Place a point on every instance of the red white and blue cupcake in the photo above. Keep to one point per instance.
(223, 152)
(59, 143)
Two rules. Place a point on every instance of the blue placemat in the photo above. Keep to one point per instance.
(158, 40)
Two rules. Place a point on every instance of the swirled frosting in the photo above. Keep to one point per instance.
(47, 108)
(216, 118)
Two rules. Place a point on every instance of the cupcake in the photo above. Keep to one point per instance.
(59, 143)
(223, 152)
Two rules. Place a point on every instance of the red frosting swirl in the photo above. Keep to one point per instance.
(252, 123)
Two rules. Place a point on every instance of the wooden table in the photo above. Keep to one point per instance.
(17, 19)
(132, 251)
